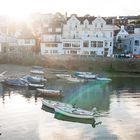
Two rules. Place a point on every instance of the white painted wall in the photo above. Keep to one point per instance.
(26, 42)
(74, 31)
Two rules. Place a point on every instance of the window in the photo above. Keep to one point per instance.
(46, 51)
(136, 42)
(110, 34)
(67, 45)
(95, 25)
(85, 52)
(105, 43)
(85, 25)
(100, 44)
(51, 45)
(58, 30)
(49, 29)
(55, 51)
(73, 52)
(27, 41)
(75, 45)
(77, 34)
(86, 44)
(101, 25)
(93, 53)
(110, 43)
(106, 49)
(93, 43)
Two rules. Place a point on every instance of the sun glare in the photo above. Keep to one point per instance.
(18, 16)
(17, 9)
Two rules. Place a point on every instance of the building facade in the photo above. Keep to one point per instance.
(132, 43)
(51, 39)
(80, 36)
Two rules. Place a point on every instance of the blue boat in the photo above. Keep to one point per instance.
(33, 79)
(15, 82)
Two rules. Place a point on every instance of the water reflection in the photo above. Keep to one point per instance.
(120, 99)
(85, 95)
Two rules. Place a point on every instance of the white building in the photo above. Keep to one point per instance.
(82, 36)
(51, 39)
(7, 43)
(26, 43)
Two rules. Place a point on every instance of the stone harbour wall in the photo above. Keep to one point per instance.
(78, 63)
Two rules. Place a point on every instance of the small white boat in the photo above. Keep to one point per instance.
(49, 93)
(82, 73)
(37, 70)
(52, 104)
(74, 112)
(74, 79)
(34, 79)
(103, 79)
(87, 76)
(35, 86)
(63, 75)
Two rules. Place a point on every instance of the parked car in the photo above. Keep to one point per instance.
(125, 55)
(137, 56)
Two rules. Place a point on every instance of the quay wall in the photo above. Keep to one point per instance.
(78, 63)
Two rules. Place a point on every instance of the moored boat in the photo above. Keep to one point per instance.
(52, 104)
(37, 70)
(35, 86)
(17, 82)
(91, 121)
(103, 79)
(49, 93)
(74, 79)
(82, 73)
(87, 76)
(34, 79)
(74, 112)
(63, 75)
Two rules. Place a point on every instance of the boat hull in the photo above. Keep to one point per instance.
(59, 116)
(35, 86)
(49, 93)
(72, 113)
(53, 104)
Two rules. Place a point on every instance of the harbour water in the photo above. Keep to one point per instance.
(22, 116)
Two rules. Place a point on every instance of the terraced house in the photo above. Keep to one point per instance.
(80, 36)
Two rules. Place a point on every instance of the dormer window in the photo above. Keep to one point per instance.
(85, 25)
(110, 34)
(95, 25)
(101, 25)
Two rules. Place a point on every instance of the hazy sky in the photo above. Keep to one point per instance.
(21, 8)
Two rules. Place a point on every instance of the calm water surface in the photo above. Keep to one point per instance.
(22, 116)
